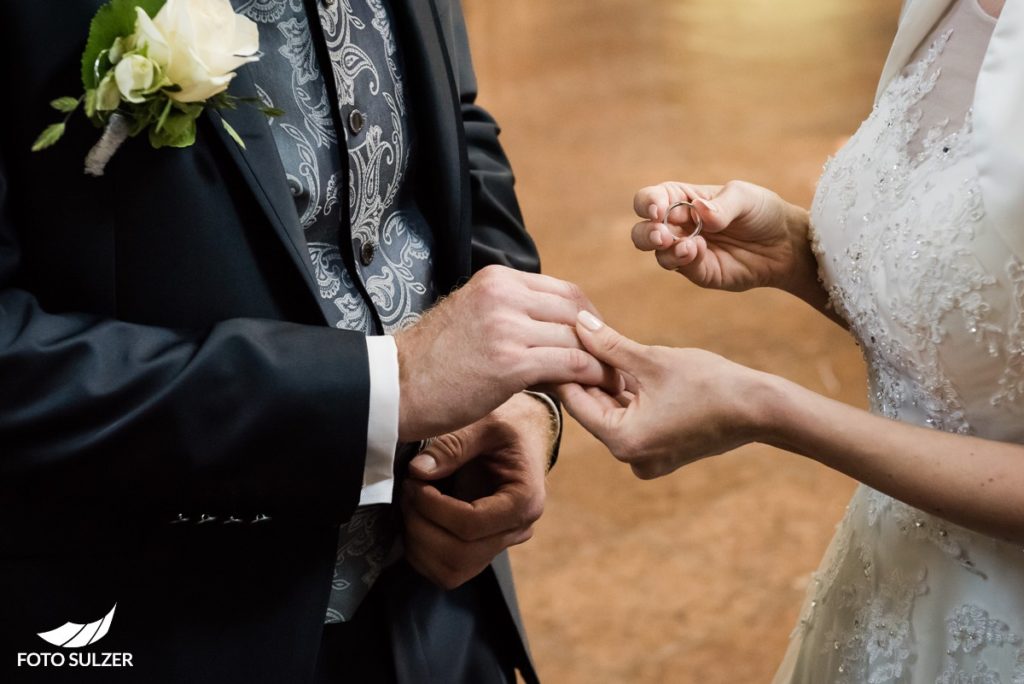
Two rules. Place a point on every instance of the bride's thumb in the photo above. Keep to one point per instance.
(718, 212)
(608, 345)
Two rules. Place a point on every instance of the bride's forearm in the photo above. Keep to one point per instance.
(972, 482)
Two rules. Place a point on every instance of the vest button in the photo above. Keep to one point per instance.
(356, 121)
(367, 253)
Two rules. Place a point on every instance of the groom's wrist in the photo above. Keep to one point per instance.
(554, 424)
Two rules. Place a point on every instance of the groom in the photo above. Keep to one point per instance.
(213, 362)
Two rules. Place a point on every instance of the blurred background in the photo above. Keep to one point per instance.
(697, 577)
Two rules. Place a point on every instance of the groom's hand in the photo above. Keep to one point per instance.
(503, 332)
(477, 491)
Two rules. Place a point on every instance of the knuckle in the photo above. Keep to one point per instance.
(577, 360)
(447, 579)
(448, 446)
(625, 450)
(505, 355)
(575, 292)
(614, 343)
(666, 259)
(453, 575)
(531, 513)
(494, 280)
(643, 471)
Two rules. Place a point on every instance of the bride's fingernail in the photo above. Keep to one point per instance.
(656, 237)
(590, 321)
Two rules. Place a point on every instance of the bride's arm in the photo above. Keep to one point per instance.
(751, 238)
(689, 404)
(976, 483)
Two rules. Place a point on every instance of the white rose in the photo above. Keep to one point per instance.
(135, 75)
(199, 43)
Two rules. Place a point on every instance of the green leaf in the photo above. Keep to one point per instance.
(90, 103)
(233, 133)
(49, 137)
(224, 101)
(66, 104)
(272, 112)
(178, 130)
(114, 20)
(162, 121)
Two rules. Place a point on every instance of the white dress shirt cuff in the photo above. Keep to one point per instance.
(382, 426)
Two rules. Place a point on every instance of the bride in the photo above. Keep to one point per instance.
(915, 242)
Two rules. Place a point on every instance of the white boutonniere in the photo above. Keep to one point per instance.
(154, 66)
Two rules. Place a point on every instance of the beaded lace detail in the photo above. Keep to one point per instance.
(901, 218)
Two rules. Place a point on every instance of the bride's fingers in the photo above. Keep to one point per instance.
(605, 400)
(701, 269)
(642, 236)
(588, 411)
(648, 236)
(677, 256)
(631, 384)
(652, 199)
(651, 202)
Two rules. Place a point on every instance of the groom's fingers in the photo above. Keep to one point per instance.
(610, 346)
(538, 282)
(537, 334)
(445, 559)
(470, 521)
(551, 308)
(548, 366)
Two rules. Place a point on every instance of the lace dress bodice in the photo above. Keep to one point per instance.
(935, 298)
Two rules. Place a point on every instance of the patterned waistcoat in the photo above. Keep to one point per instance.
(372, 258)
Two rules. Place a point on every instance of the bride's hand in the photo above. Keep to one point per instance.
(680, 405)
(751, 236)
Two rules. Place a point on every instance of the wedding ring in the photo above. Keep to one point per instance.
(693, 212)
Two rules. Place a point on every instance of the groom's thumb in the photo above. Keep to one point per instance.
(443, 455)
(607, 345)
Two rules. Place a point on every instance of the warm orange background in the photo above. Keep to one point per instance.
(696, 577)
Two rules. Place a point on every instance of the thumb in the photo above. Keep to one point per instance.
(608, 345)
(731, 202)
(443, 455)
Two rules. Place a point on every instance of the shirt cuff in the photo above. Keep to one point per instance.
(382, 425)
(556, 422)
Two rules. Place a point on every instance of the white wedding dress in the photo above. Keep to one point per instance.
(935, 297)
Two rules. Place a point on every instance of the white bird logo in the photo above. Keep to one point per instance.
(74, 635)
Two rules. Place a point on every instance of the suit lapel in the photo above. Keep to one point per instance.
(262, 170)
(918, 20)
(438, 124)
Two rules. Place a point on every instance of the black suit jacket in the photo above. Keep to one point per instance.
(162, 351)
